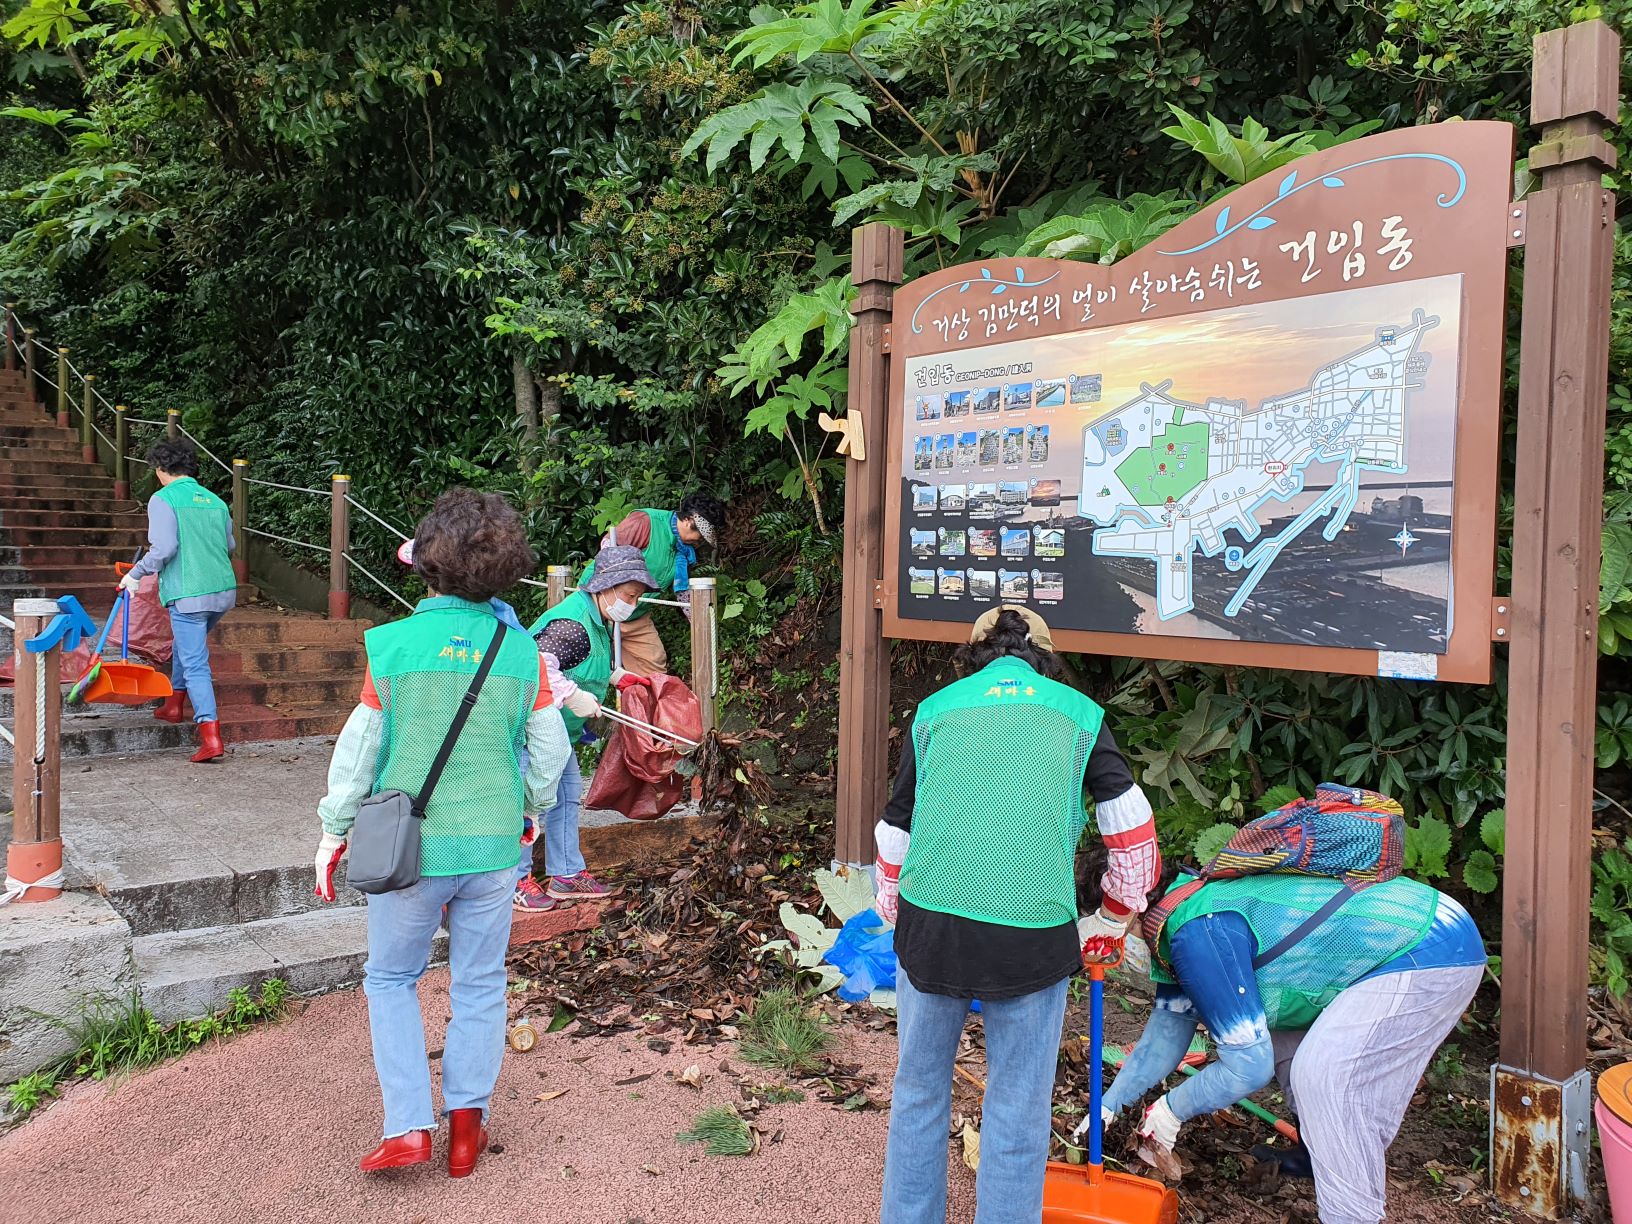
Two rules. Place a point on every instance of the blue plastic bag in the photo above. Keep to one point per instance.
(865, 953)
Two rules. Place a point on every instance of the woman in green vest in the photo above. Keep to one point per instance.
(575, 641)
(1345, 998)
(668, 540)
(189, 546)
(471, 547)
(976, 859)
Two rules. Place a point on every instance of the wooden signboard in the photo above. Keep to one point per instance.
(1268, 438)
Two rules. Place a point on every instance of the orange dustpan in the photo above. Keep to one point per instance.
(122, 682)
(1087, 1194)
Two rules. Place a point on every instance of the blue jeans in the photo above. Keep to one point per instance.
(1212, 958)
(190, 660)
(401, 926)
(1022, 1048)
(562, 857)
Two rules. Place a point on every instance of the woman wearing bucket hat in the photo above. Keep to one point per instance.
(668, 541)
(575, 639)
(976, 858)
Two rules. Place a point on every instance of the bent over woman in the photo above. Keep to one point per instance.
(468, 549)
(976, 868)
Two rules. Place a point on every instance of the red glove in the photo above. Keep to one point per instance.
(887, 889)
(329, 851)
(1102, 933)
(529, 831)
(627, 680)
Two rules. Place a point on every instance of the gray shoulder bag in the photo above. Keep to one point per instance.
(385, 837)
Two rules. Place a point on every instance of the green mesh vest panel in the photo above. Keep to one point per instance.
(422, 668)
(1373, 927)
(998, 809)
(202, 565)
(594, 674)
(659, 554)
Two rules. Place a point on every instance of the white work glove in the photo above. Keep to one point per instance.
(1158, 1134)
(892, 852)
(130, 582)
(1101, 934)
(582, 704)
(1106, 1117)
(329, 851)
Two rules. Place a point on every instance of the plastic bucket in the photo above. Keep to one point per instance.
(1613, 1110)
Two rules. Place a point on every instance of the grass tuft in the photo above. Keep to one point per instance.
(720, 1127)
(113, 1035)
(782, 1032)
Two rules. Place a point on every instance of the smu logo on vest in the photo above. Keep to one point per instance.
(462, 650)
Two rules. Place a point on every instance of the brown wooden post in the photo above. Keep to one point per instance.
(121, 448)
(11, 335)
(87, 421)
(864, 657)
(1540, 1092)
(557, 578)
(339, 546)
(62, 388)
(240, 519)
(705, 657)
(28, 365)
(172, 423)
(35, 852)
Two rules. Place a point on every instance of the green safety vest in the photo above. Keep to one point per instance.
(422, 667)
(998, 810)
(594, 674)
(1374, 926)
(202, 565)
(659, 554)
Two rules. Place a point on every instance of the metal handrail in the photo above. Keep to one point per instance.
(377, 582)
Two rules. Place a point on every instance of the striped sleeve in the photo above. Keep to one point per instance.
(1127, 826)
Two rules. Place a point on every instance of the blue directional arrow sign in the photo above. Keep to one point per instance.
(67, 627)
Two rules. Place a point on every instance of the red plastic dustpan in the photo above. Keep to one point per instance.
(1087, 1194)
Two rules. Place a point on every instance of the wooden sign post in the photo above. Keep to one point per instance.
(1541, 1094)
(1271, 438)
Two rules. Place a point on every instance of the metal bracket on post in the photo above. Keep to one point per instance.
(1540, 1139)
(1501, 618)
(1515, 229)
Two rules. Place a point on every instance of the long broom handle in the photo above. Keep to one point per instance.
(629, 720)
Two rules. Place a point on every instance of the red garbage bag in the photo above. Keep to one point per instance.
(636, 774)
(149, 626)
(73, 665)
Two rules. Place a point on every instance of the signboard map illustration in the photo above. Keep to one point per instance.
(1168, 477)
(1268, 437)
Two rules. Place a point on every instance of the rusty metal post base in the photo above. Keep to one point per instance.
(1540, 1140)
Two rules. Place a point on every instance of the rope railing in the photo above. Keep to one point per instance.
(397, 531)
(272, 484)
(389, 590)
(225, 467)
(268, 535)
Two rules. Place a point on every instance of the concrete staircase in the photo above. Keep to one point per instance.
(207, 869)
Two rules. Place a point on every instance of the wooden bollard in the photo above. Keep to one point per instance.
(240, 519)
(121, 448)
(704, 648)
(62, 388)
(87, 422)
(35, 852)
(339, 546)
(556, 580)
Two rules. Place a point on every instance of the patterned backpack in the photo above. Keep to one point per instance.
(1344, 833)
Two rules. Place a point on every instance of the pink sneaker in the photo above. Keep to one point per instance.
(580, 887)
(531, 898)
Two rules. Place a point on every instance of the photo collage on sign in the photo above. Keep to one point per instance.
(980, 457)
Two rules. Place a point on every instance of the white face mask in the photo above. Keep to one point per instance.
(620, 611)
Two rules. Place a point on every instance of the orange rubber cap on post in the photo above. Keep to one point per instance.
(29, 861)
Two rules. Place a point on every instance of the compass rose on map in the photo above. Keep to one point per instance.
(1404, 539)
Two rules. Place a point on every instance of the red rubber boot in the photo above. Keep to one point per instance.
(467, 1140)
(171, 711)
(399, 1152)
(210, 747)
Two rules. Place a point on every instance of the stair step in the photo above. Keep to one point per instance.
(101, 503)
(52, 467)
(188, 973)
(77, 514)
(64, 536)
(34, 484)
